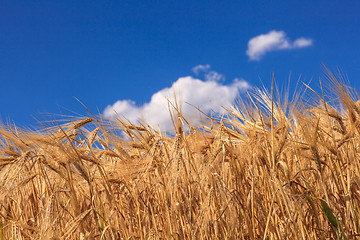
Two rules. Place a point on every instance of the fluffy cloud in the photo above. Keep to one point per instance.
(207, 95)
(274, 40)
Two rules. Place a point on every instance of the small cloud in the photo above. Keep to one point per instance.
(242, 84)
(214, 76)
(201, 68)
(274, 40)
(303, 42)
(208, 75)
(207, 95)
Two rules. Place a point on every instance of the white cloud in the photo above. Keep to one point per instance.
(201, 68)
(207, 95)
(242, 84)
(274, 40)
(214, 76)
(208, 75)
(302, 42)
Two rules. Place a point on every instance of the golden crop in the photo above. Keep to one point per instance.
(270, 169)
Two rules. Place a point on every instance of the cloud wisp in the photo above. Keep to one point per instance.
(208, 75)
(200, 68)
(274, 40)
(207, 95)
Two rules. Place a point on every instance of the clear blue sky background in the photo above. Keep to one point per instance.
(103, 51)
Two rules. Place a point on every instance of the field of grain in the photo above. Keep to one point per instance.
(269, 169)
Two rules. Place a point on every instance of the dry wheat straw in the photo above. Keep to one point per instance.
(270, 169)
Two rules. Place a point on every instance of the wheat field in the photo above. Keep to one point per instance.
(270, 168)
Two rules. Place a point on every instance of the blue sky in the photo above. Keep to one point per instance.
(126, 52)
